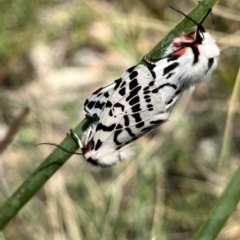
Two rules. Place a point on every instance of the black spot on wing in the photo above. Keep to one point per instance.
(169, 102)
(178, 91)
(171, 58)
(151, 83)
(119, 147)
(169, 75)
(152, 73)
(123, 83)
(133, 75)
(126, 120)
(117, 132)
(156, 122)
(133, 93)
(119, 105)
(119, 126)
(210, 63)
(167, 85)
(122, 91)
(99, 94)
(106, 94)
(131, 69)
(104, 128)
(150, 107)
(133, 84)
(117, 83)
(146, 90)
(139, 125)
(108, 104)
(169, 68)
(130, 132)
(147, 98)
(86, 102)
(91, 104)
(155, 90)
(134, 100)
(137, 117)
(97, 91)
(136, 108)
(99, 105)
(98, 144)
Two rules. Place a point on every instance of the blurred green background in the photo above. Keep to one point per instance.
(53, 55)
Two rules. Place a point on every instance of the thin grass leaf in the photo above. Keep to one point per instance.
(221, 211)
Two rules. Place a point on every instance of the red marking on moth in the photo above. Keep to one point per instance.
(180, 52)
(86, 149)
(188, 38)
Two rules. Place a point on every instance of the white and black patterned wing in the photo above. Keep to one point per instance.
(134, 108)
(94, 104)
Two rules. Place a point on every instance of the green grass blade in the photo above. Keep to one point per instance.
(39, 177)
(222, 210)
(27, 190)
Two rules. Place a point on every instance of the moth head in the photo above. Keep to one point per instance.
(198, 34)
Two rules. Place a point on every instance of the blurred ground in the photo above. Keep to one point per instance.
(53, 55)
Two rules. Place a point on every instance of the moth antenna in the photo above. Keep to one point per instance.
(213, 23)
(62, 148)
(198, 24)
(185, 15)
(209, 11)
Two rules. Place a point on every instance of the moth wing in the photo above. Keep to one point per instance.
(134, 108)
(94, 104)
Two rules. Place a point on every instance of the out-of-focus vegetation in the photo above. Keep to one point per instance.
(53, 54)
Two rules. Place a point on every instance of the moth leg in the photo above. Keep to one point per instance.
(76, 138)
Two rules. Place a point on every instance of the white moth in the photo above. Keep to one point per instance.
(142, 98)
(131, 108)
